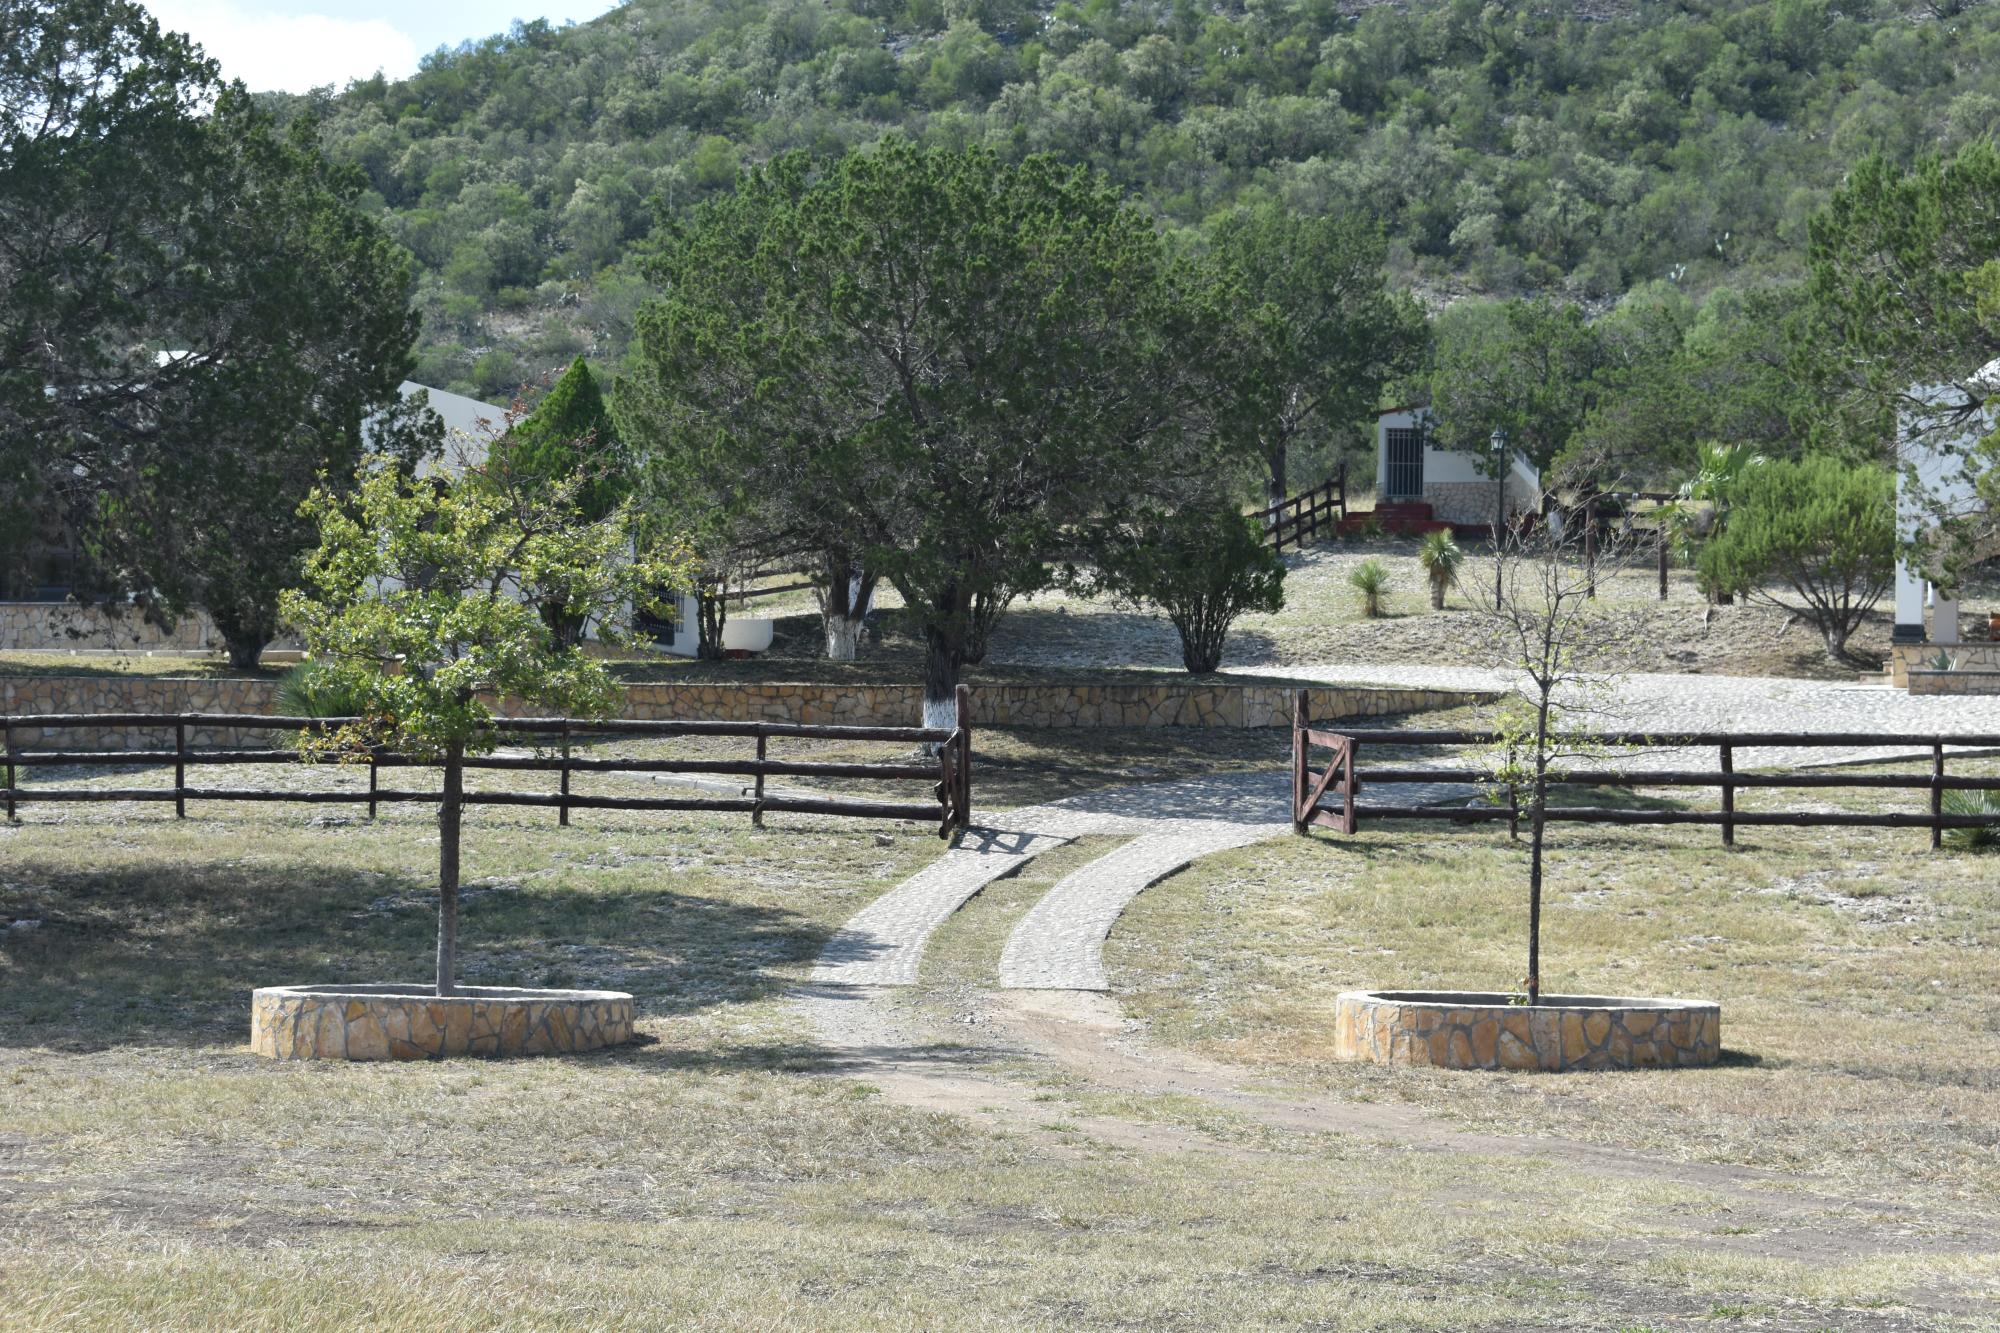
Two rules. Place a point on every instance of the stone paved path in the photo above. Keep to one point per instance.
(1059, 944)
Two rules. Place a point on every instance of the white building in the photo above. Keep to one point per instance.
(1934, 440)
(1412, 470)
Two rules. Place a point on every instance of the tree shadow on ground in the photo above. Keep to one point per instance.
(163, 953)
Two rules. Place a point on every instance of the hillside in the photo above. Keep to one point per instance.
(1576, 147)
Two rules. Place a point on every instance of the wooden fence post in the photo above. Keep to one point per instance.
(763, 752)
(1590, 550)
(562, 810)
(7, 728)
(1663, 562)
(374, 776)
(1728, 796)
(1937, 796)
(1340, 480)
(180, 768)
(963, 698)
(1351, 752)
(1301, 719)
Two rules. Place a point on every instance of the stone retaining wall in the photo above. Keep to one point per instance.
(1954, 682)
(403, 1023)
(1476, 1030)
(33, 626)
(1905, 658)
(1471, 502)
(1168, 704)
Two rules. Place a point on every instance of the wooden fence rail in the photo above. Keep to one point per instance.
(1297, 520)
(1326, 796)
(950, 774)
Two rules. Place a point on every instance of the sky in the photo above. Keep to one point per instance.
(293, 45)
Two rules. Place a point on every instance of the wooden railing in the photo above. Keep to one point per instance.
(1297, 520)
(1326, 796)
(950, 773)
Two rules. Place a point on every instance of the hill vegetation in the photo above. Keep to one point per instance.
(1582, 149)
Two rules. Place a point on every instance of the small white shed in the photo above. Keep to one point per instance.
(1413, 470)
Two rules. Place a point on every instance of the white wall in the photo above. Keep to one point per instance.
(1932, 449)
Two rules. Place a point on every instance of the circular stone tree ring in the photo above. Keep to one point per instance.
(395, 1022)
(1486, 1030)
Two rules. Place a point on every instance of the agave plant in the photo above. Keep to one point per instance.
(1440, 557)
(1972, 803)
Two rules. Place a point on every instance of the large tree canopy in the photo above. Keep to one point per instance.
(195, 318)
(949, 363)
(1316, 335)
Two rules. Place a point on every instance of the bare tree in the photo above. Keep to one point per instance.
(1543, 605)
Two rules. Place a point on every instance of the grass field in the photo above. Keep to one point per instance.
(1839, 1171)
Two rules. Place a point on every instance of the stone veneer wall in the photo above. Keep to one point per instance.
(1168, 704)
(1979, 655)
(1953, 682)
(1472, 501)
(364, 1023)
(33, 626)
(1457, 1031)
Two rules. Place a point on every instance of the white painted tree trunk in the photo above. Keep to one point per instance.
(843, 635)
(941, 712)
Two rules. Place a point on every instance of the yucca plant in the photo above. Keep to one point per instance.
(1440, 557)
(1972, 803)
(1370, 578)
(316, 689)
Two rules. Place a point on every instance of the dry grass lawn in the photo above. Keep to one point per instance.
(155, 1175)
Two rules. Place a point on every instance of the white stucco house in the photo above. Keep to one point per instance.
(1417, 477)
(1934, 437)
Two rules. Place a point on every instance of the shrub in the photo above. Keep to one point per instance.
(1440, 557)
(1370, 578)
(319, 689)
(1821, 527)
(1972, 803)
(1204, 565)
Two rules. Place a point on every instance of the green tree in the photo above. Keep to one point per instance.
(1316, 332)
(1203, 564)
(1820, 527)
(1526, 367)
(195, 317)
(941, 363)
(423, 603)
(569, 434)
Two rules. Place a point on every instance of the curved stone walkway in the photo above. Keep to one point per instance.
(1059, 944)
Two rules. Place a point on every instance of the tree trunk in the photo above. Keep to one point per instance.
(711, 614)
(1536, 823)
(944, 655)
(450, 812)
(1275, 484)
(1437, 594)
(243, 636)
(843, 604)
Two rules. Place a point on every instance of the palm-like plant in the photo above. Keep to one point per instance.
(1440, 557)
(1370, 578)
(1975, 839)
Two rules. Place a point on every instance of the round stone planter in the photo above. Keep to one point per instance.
(1482, 1030)
(408, 1023)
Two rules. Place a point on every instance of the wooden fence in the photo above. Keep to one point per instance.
(950, 773)
(1297, 520)
(1326, 796)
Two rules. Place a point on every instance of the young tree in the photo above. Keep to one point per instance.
(1544, 613)
(1203, 564)
(1316, 332)
(424, 602)
(1822, 528)
(940, 363)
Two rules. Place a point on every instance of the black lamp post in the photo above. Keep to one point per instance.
(1499, 440)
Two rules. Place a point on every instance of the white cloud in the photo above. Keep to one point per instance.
(289, 53)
